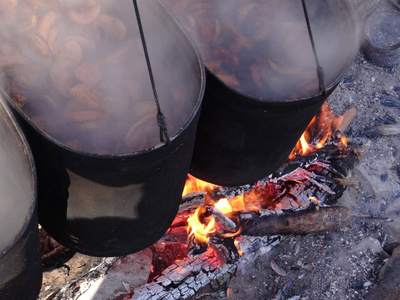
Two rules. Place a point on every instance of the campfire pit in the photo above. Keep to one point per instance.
(340, 265)
(219, 230)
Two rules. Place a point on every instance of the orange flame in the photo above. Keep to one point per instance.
(240, 251)
(198, 229)
(319, 132)
(229, 206)
(194, 184)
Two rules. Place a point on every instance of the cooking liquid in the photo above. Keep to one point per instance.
(262, 48)
(77, 70)
(15, 185)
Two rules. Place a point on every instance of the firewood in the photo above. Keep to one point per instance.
(302, 222)
(390, 129)
(222, 219)
(347, 118)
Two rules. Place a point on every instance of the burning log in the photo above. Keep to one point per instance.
(302, 222)
(233, 226)
(218, 223)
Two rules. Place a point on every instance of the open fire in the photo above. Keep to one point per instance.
(219, 230)
(324, 130)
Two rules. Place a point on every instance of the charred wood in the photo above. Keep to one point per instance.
(77, 288)
(206, 274)
(302, 222)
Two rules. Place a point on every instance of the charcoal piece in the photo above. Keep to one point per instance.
(358, 285)
(371, 132)
(390, 101)
(384, 177)
(348, 80)
(386, 119)
(389, 120)
(287, 287)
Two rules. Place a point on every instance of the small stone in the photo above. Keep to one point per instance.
(358, 285)
(367, 284)
(384, 177)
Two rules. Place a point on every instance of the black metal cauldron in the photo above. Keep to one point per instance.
(20, 258)
(111, 205)
(242, 138)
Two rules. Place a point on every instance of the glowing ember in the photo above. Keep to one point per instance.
(199, 229)
(236, 243)
(312, 198)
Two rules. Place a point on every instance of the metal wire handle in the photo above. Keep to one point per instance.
(162, 122)
(320, 69)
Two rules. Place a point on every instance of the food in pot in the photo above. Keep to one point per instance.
(76, 68)
(263, 48)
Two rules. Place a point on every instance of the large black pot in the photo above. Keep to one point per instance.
(242, 138)
(111, 205)
(20, 258)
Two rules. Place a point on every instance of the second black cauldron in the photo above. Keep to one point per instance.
(262, 87)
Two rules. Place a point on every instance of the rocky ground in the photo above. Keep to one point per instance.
(345, 264)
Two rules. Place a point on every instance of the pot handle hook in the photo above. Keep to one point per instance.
(320, 69)
(161, 120)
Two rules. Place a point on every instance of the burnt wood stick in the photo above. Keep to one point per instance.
(175, 235)
(192, 201)
(222, 219)
(348, 117)
(390, 129)
(303, 222)
(348, 182)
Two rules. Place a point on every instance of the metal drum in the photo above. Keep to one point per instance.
(262, 86)
(110, 203)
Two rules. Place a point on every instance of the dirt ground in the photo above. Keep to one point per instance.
(345, 264)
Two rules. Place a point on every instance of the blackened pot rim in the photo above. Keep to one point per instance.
(17, 132)
(159, 147)
(283, 102)
(120, 155)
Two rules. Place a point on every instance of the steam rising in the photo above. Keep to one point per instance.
(16, 184)
(76, 68)
(263, 49)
